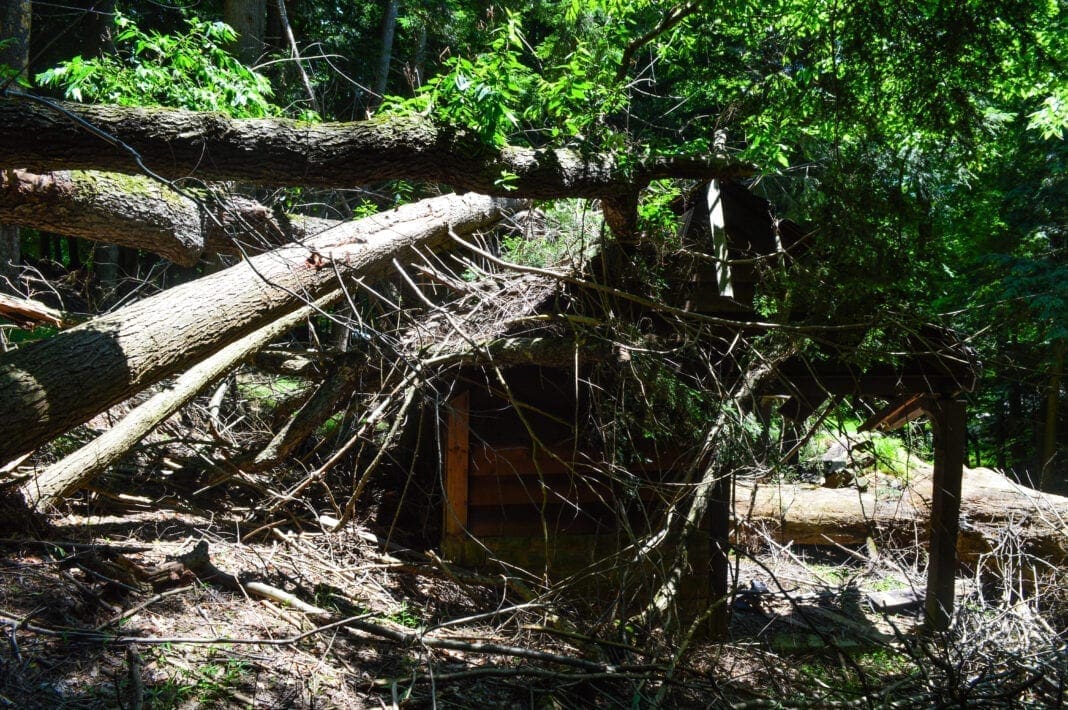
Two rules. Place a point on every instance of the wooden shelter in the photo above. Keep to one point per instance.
(522, 485)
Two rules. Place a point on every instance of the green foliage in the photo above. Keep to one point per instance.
(516, 92)
(656, 218)
(207, 684)
(191, 70)
(480, 94)
(568, 233)
(406, 616)
(1052, 118)
(41, 332)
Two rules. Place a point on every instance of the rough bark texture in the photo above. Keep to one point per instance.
(134, 211)
(15, 18)
(249, 20)
(50, 386)
(79, 468)
(385, 53)
(279, 152)
(992, 509)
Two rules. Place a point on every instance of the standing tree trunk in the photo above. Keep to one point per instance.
(53, 385)
(305, 80)
(249, 20)
(1053, 406)
(15, 54)
(385, 55)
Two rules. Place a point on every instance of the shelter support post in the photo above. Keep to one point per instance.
(457, 461)
(948, 420)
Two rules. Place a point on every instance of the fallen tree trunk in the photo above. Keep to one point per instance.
(137, 212)
(210, 146)
(79, 468)
(52, 385)
(993, 510)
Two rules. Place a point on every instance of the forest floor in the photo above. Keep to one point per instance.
(803, 631)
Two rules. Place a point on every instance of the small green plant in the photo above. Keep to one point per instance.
(405, 616)
(270, 390)
(888, 584)
(205, 685)
(191, 70)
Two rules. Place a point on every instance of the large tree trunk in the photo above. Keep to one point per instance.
(79, 468)
(137, 212)
(279, 152)
(53, 385)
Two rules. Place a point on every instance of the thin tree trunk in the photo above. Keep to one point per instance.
(296, 58)
(15, 18)
(52, 385)
(1053, 405)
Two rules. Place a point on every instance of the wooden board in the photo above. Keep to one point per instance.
(457, 464)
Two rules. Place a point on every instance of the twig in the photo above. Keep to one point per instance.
(137, 608)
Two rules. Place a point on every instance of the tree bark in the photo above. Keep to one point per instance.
(134, 211)
(1053, 407)
(249, 20)
(385, 54)
(79, 468)
(50, 386)
(15, 16)
(992, 506)
(179, 144)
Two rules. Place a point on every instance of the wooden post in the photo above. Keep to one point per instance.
(457, 442)
(948, 420)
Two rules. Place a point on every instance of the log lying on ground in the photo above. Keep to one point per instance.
(137, 212)
(53, 385)
(992, 509)
(79, 468)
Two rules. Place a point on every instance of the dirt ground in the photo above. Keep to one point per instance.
(85, 630)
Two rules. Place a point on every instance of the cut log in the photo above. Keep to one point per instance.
(53, 385)
(992, 507)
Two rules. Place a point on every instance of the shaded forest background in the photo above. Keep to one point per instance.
(926, 145)
(918, 149)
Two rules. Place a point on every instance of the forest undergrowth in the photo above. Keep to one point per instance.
(178, 597)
